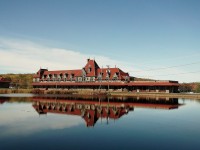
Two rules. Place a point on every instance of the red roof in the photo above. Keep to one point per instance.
(91, 68)
(58, 72)
(155, 83)
(112, 71)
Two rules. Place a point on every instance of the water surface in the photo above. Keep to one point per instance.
(98, 123)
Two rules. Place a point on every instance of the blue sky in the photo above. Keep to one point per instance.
(135, 35)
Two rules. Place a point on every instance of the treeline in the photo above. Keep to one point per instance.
(142, 79)
(190, 87)
(20, 81)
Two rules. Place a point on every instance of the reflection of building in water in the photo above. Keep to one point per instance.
(92, 110)
(3, 99)
(89, 111)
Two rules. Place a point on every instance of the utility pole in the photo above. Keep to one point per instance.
(108, 73)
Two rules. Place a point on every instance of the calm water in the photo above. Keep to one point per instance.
(98, 123)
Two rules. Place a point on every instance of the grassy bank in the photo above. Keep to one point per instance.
(54, 91)
(10, 91)
(153, 95)
(90, 92)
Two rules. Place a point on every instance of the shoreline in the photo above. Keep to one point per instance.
(89, 92)
(154, 95)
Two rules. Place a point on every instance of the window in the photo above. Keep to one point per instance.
(115, 78)
(50, 76)
(92, 78)
(107, 77)
(127, 78)
(71, 77)
(89, 69)
(99, 78)
(66, 75)
(80, 79)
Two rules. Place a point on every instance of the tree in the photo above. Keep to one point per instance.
(185, 87)
(197, 90)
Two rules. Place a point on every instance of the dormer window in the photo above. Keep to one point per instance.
(61, 75)
(115, 77)
(127, 78)
(108, 73)
(89, 69)
(99, 77)
(66, 75)
(107, 77)
(71, 77)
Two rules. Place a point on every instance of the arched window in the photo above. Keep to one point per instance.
(65, 76)
(50, 77)
(61, 76)
(115, 76)
(89, 69)
(99, 78)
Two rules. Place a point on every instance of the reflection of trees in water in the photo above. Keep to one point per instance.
(16, 99)
(197, 100)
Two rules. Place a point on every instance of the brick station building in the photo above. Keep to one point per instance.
(91, 76)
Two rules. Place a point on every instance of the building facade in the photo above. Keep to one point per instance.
(91, 76)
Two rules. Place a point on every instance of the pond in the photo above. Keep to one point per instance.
(68, 122)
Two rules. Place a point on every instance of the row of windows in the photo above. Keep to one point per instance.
(72, 75)
(79, 79)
